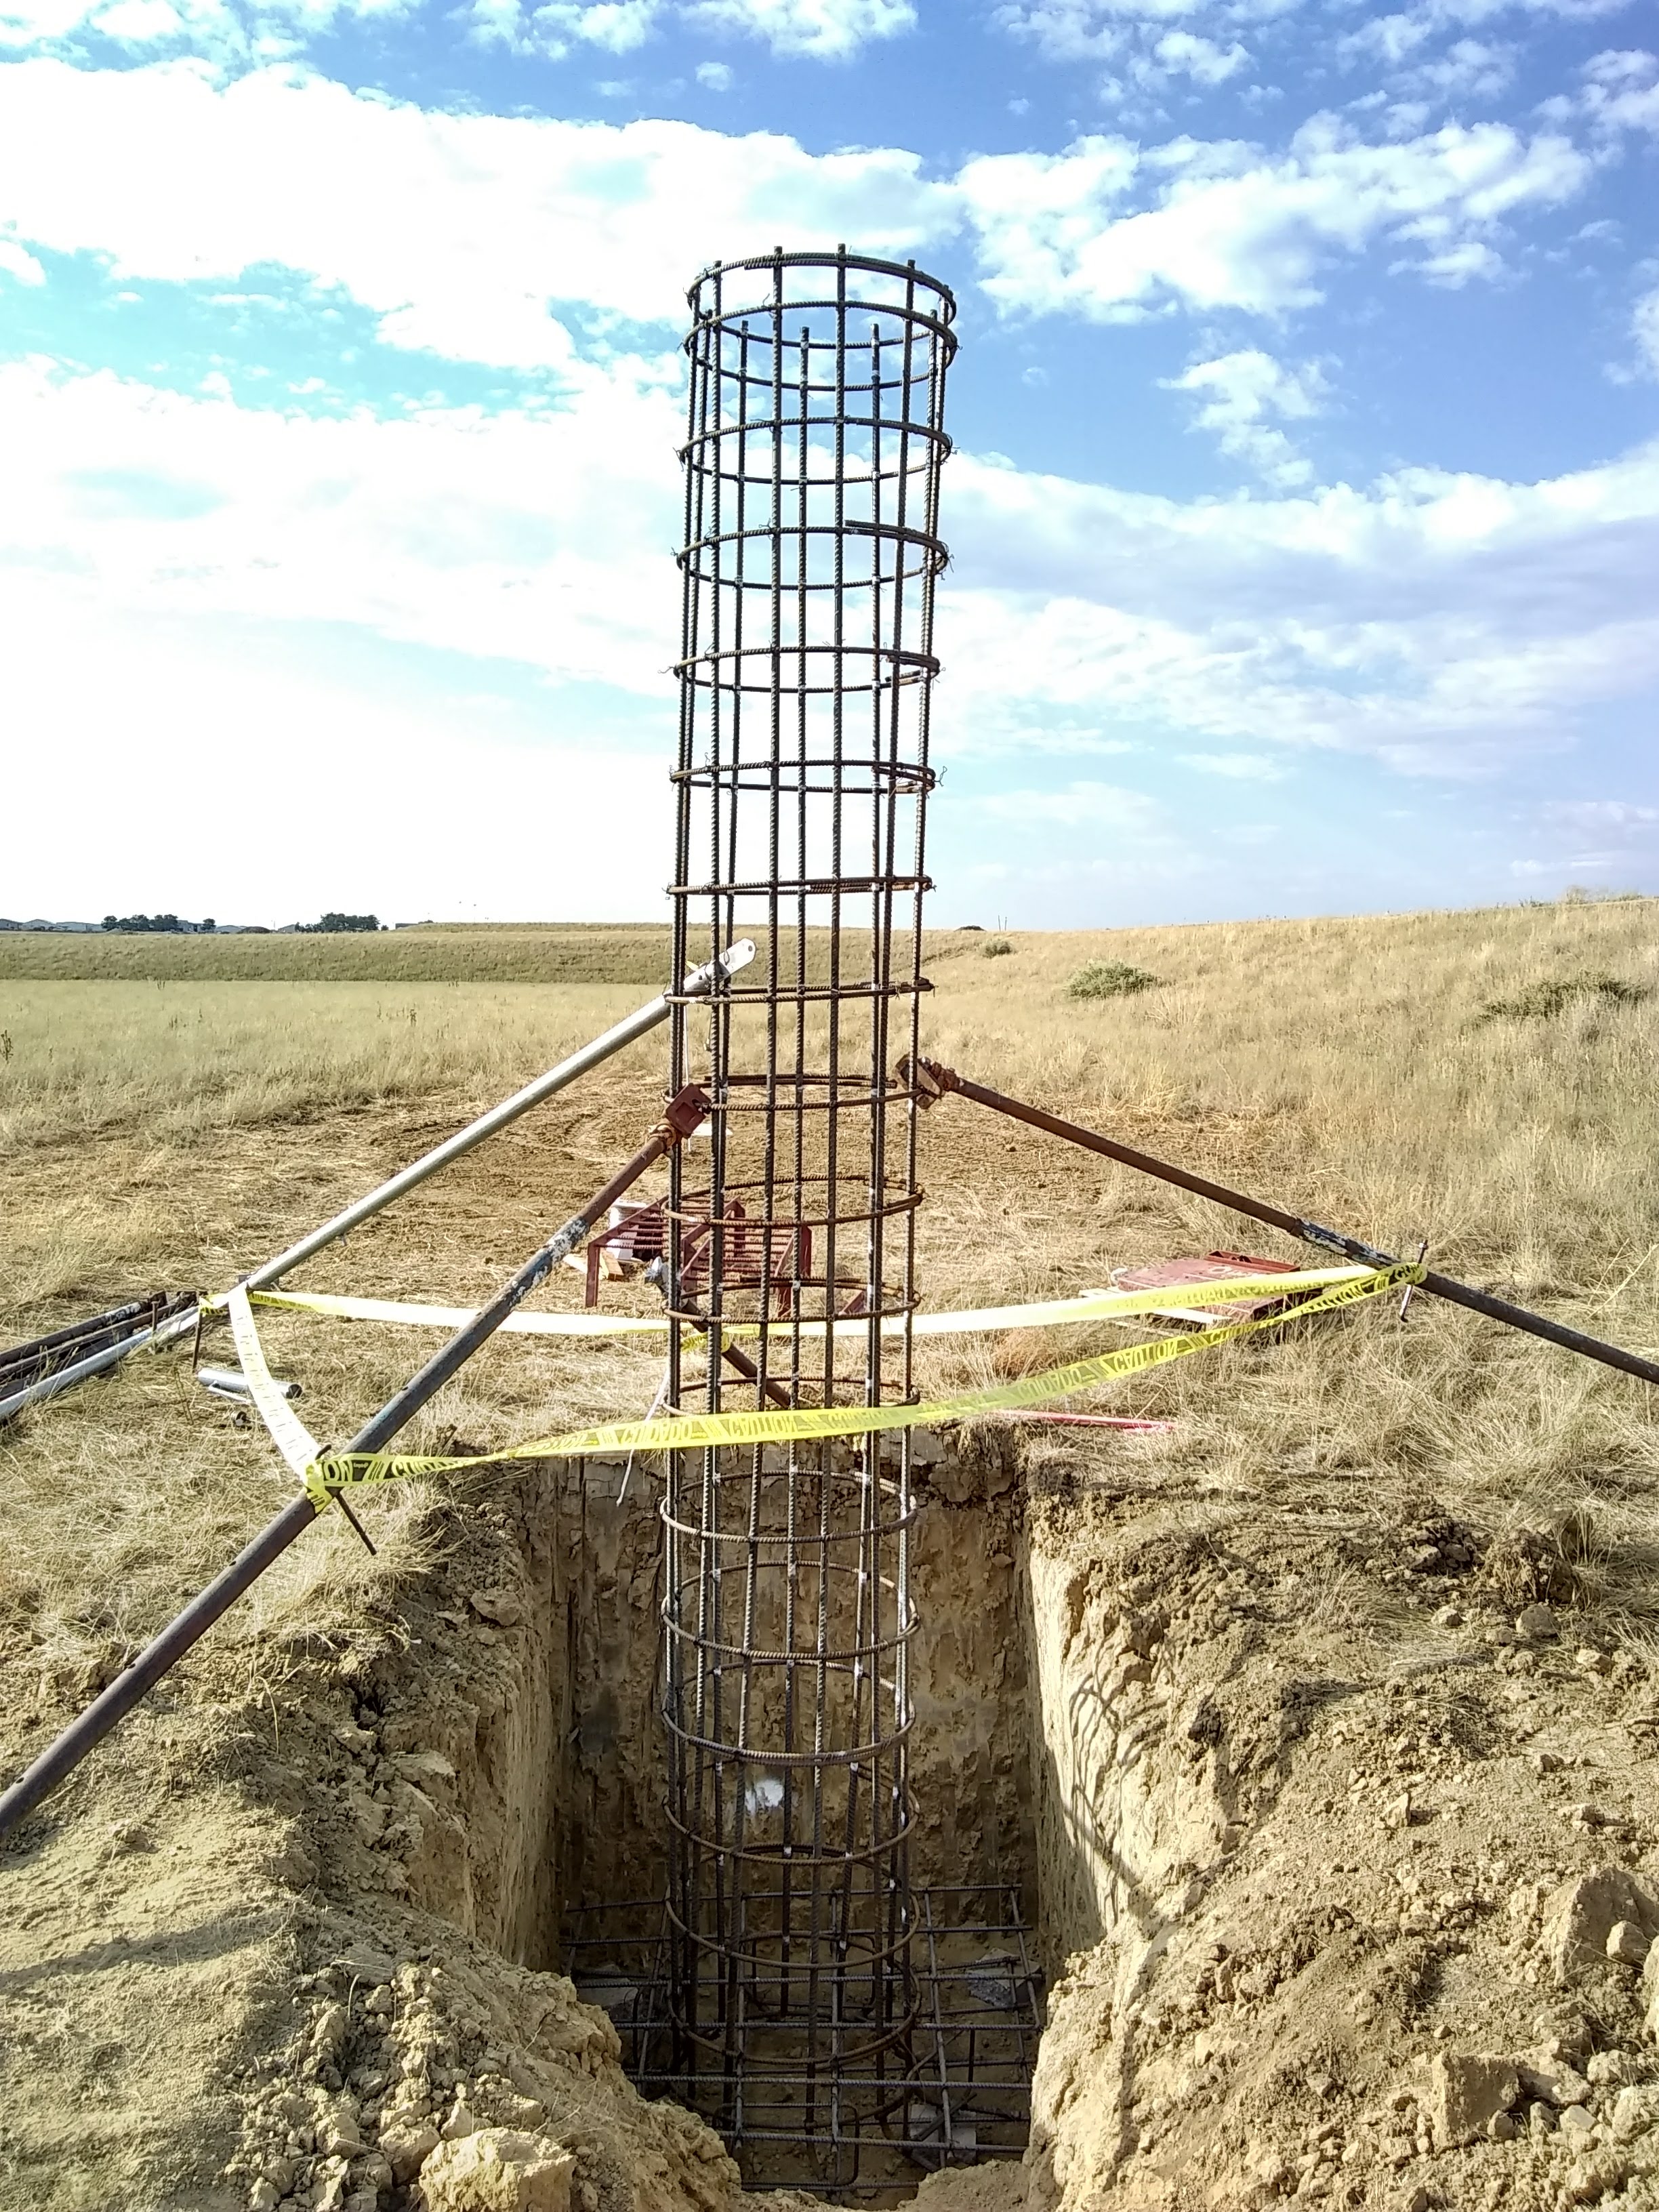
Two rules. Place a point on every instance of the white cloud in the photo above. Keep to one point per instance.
(1443, 623)
(231, 34)
(819, 30)
(1057, 851)
(1459, 264)
(1388, 39)
(537, 537)
(1621, 91)
(1229, 226)
(825, 30)
(1437, 621)
(617, 26)
(452, 229)
(1081, 30)
(717, 76)
(1040, 213)
(1185, 53)
(1603, 816)
(1574, 865)
(26, 22)
(1644, 324)
(243, 32)
(19, 265)
(1094, 30)
(139, 22)
(1241, 767)
(1080, 806)
(1616, 833)
(1468, 69)
(287, 776)
(1136, 34)
(1239, 390)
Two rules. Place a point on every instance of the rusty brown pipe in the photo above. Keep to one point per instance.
(932, 1081)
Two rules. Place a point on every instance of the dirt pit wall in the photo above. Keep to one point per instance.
(970, 1746)
(498, 1768)
(1298, 1811)
(1348, 1868)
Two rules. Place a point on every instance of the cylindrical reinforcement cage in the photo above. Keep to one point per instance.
(811, 545)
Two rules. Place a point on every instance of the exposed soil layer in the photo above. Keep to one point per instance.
(1328, 1913)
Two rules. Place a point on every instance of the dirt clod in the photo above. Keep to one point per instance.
(1467, 2094)
(1580, 1917)
(498, 2170)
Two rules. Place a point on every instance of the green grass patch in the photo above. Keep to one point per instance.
(1110, 979)
(1542, 1001)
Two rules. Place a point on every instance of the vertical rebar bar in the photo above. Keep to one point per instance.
(815, 440)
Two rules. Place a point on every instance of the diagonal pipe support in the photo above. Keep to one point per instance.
(685, 1113)
(932, 1080)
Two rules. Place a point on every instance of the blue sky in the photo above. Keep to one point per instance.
(1304, 517)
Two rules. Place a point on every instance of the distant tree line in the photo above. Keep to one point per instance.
(168, 925)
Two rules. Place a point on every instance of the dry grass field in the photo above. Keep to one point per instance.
(166, 1123)
(176, 1131)
(587, 953)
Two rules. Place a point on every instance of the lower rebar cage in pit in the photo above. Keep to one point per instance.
(957, 2091)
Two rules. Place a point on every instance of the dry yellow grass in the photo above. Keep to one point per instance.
(1339, 1067)
(173, 1062)
(594, 952)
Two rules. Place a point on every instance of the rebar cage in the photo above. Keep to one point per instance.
(814, 445)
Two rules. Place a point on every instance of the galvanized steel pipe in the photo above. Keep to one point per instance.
(164, 1652)
(724, 965)
(165, 1332)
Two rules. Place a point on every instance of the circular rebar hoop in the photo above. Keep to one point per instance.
(815, 437)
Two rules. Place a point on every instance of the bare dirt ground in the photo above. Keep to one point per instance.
(1337, 1707)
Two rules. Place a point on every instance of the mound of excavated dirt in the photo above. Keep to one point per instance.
(438, 2067)
(1338, 1835)
(1371, 1854)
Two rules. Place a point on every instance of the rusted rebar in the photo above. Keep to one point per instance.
(812, 460)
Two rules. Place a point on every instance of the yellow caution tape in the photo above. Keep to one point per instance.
(335, 1471)
(1046, 1313)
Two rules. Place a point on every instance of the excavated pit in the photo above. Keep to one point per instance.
(1293, 1812)
(973, 1860)
(1033, 1838)
(973, 1865)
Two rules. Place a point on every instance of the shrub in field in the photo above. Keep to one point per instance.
(1543, 1000)
(995, 947)
(1110, 979)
